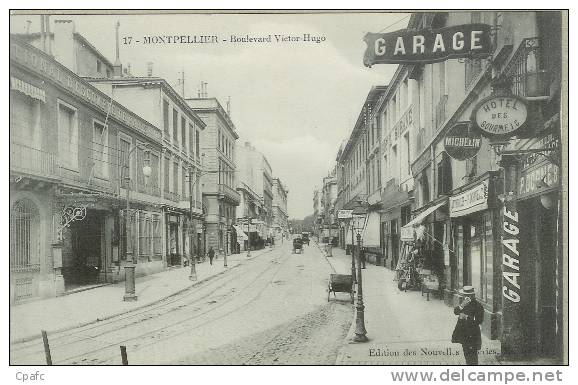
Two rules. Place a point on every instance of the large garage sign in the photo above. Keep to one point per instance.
(428, 45)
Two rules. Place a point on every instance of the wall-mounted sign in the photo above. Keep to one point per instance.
(345, 214)
(536, 179)
(470, 201)
(427, 46)
(500, 116)
(511, 254)
(462, 141)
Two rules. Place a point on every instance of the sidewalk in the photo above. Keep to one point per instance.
(85, 307)
(402, 327)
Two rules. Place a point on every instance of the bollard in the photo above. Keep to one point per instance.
(46, 348)
(123, 355)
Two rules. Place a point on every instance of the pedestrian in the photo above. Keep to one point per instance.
(211, 254)
(467, 331)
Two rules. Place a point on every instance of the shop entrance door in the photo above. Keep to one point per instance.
(173, 239)
(546, 288)
(83, 265)
(394, 243)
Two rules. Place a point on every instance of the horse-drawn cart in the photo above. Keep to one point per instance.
(297, 246)
(342, 283)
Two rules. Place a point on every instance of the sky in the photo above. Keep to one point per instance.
(296, 102)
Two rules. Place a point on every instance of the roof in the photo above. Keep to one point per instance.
(212, 105)
(155, 82)
(28, 37)
(373, 96)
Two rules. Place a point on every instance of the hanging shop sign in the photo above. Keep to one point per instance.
(470, 201)
(462, 141)
(428, 45)
(500, 116)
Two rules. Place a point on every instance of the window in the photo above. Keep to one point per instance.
(183, 133)
(98, 66)
(154, 178)
(425, 187)
(67, 136)
(25, 116)
(144, 240)
(141, 158)
(197, 149)
(191, 139)
(100, 150)
(184, 187)
(166, 118)
(175, 126)
(471, 167)
(124, 161)
(167, 174)
(444, 175)
(407, 170)
(24, 236)
(157, 237)
(176, 177)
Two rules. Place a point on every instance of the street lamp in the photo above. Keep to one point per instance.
(229, 224)
(358, 221)
(249, 237)
(192, 259)
(129, 268)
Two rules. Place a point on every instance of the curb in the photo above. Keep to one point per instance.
(86, 323)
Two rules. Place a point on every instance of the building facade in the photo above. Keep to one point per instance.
(68, 178)
(280, 224)
(468, 217)
(180, 161)
(219, 180)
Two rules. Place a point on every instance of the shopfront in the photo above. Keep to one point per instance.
(476, 247)
(396, 213)
(539, 205)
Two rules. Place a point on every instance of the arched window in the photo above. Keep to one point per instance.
(24, 236)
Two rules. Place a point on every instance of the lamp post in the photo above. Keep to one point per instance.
(249, 237)
(353, 275)
(228, 241)
(359, 217)
(129, 268)
(192, 259)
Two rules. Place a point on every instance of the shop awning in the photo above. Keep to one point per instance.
(407, 230)
(371, 230)
(241, 236)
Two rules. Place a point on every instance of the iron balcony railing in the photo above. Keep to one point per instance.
(33, 161)
(524, 69)
(229, 192)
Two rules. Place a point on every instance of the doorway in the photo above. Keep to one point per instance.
(84, 262)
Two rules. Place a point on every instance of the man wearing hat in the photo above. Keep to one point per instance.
(467, 331)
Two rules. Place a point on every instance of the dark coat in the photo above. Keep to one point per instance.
(467, 332)
(211, 253)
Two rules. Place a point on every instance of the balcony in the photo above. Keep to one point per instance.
(32, 161)
(229, 193)
(172, 196)
(528, 78)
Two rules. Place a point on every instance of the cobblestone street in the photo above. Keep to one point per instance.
(271, 309)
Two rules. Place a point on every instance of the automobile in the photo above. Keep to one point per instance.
(305, 237)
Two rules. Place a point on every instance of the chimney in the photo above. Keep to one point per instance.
(150, 69)
(64, 43)
(229, 106)
(117, 67)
